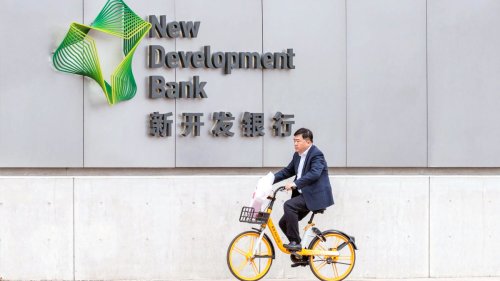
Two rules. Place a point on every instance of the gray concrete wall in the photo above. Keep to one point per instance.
(41, 112)
(316, 90)
(382, 84)
(462, 61)
(386, 83)
(178, 227)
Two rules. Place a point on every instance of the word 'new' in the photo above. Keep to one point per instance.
(186, 29)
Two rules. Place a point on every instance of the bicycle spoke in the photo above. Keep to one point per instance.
(333, 242)
(342, 263)
(321, 266)
(337, 242)
(322, 248)
(259, 264)
(242, 265)
(335, 271)
(259, 251)
(240, 251)
(252, 240)
(254, 267)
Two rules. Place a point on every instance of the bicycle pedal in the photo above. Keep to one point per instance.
(297, 256)
(302, 263)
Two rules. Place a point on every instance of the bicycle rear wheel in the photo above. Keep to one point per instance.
(240, 260)
(332, 268)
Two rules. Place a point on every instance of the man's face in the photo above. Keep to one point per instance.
(300, 144)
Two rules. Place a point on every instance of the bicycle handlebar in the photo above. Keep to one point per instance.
(273, 198)
(281, 188)
(278, 190)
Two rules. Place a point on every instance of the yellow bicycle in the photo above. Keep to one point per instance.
(330, 254)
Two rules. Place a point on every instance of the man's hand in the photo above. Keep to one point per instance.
(289, 186)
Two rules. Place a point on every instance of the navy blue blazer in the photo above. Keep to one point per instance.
(314, 183)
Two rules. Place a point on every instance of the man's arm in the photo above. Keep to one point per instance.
(285, 173)
(318, 164)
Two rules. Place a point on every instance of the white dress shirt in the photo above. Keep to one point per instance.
(301, 165)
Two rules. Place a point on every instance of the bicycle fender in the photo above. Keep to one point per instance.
(270, 242)
(352, 239)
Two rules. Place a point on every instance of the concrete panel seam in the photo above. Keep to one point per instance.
(83, 99)
(429, 229)
(427, 79)
(262, 71)
(241, 176)
(219, 176)
(175, 101)
(74, 240)
(346, 85)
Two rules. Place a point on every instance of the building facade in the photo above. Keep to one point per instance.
(401, 97)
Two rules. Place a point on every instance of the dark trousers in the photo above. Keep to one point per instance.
(295, 210)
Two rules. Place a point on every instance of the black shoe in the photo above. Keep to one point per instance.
(293, 246)
(299, 261)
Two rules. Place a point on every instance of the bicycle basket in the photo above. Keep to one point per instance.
(249, 215)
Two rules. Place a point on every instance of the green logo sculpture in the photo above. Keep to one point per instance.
(78, 54)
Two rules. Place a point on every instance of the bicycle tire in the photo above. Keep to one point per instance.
(346, 260)
(239, 261)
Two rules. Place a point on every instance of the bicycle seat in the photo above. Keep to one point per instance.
(321, 211)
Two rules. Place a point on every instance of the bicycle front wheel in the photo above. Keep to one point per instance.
(332, 268)
(241, 260)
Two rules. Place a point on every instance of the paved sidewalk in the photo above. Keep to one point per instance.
(413, 279)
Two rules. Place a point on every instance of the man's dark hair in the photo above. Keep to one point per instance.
(306, 133)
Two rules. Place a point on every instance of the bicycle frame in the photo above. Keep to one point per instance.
(279, 242)
(277, 239)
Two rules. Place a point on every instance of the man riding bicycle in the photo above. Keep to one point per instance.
(330, 254)
(311, 187)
